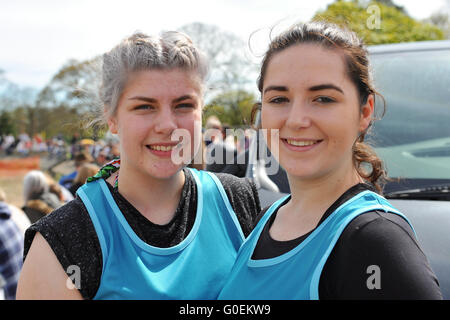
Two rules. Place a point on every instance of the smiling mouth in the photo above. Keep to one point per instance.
(166, 148)
(301, 143)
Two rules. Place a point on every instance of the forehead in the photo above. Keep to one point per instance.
(162, 83)
(306, 64)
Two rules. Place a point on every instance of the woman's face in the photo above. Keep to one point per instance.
(309, 98)
(153, 105)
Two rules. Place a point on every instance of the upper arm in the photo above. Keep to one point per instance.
(43, 277)
(377, 257)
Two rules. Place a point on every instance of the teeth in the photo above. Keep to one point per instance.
(301, 143)
(162, 148)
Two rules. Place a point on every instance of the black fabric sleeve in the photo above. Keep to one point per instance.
(244, 199)
(378, 257)
(71, 235)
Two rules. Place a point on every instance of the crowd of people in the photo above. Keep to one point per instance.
(23, 145)
(57, 147)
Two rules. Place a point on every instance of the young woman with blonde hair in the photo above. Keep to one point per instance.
(145, 227)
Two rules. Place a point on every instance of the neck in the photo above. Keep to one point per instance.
(156, 199)
(317, 195)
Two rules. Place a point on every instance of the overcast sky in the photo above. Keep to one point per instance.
(39, 36)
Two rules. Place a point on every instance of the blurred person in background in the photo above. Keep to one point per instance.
(79, 159)
(11, 251)
(218, 152)
(63, 194)
(85, 171)
(39, 201)
(17, 214)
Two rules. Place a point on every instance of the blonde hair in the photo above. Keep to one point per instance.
(86, 170)
(171, 50)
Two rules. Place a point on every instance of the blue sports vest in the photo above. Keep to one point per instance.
(196, 268)
(295, 274)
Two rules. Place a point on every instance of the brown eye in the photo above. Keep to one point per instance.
(185, 106)
(325, 100)
(143, 107)
(279, 100)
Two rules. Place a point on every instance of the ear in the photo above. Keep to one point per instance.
(112, 124)
(111, 120)
(366, 116)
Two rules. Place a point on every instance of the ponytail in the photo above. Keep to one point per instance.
(364, 155)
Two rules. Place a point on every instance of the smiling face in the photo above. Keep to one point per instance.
(153, 104)
(309, 98)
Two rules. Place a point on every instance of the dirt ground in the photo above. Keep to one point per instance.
(12, 186)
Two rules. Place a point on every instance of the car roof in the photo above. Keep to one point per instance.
(409, 46)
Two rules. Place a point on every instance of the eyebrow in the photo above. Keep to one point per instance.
(313, 88)
(275, 88)
(326, 86)
(152, 100)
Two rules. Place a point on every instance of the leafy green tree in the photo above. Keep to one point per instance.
(66, 102)
(6, 123)
(231, 107)
(378, 23)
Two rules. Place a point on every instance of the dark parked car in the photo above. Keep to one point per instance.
(413, 139)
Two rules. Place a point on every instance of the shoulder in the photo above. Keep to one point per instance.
(61, 226)
(236, 184)
(387, 242)
(377, 235)
(71, 235)
(240, 190)
(376, 228)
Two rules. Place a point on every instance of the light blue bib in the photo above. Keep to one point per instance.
(196, 268)
(295, 274)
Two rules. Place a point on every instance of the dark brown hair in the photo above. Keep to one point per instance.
(333, 37)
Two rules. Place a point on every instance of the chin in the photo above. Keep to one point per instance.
(164, 171)
(302, 171)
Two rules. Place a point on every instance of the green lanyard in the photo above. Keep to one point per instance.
(106, 171)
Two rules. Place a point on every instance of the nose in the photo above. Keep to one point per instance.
(299, 116)
(165, 121)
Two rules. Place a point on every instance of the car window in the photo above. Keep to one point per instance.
(413, 138)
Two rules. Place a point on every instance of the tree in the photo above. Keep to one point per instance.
(68, 99)
(232, 107)
(6, 123)
(378, 23)
(389, 3)
(75, 85)
(13, 95)
(441, 20)
(230, 69)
